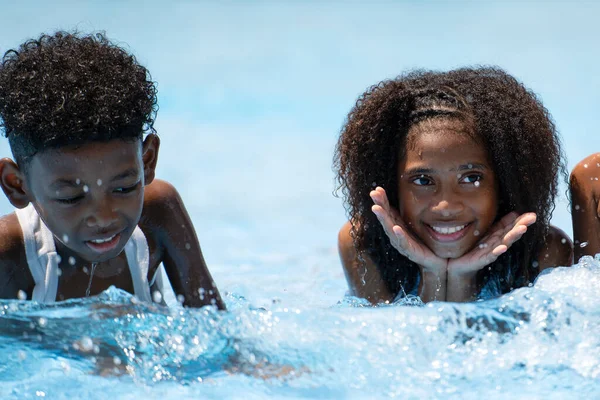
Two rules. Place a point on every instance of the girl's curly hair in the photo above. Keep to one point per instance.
(508, 119)
(69, 89)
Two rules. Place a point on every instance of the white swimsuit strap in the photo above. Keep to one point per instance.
(41, 254)
(138, 260)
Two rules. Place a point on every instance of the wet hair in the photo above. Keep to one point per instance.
(69, 89)
(507, 119)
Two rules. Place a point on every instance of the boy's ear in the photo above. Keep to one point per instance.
(150, 157)
(12, 181)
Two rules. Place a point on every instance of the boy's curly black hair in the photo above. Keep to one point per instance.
(509, 120)
(69, 89)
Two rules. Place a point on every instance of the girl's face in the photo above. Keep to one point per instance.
(447, 187)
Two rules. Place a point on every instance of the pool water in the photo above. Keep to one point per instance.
(302, 340)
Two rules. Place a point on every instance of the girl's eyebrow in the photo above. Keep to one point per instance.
(468, 166)
(462, 167)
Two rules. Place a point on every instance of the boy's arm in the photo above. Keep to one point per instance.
(364, 279)
(14, 272)
(585, 191)
(182, 256)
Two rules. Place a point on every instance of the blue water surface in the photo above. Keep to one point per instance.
(536, 342)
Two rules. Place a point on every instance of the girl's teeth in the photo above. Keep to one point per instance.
(103, 240)
(446, 230)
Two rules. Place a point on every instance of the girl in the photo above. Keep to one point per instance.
(449, 180)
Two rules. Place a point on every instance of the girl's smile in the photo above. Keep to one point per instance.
(447, 188)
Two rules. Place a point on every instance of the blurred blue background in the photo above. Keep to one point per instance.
(253, 94)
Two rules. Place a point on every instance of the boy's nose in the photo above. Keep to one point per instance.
(102, 217)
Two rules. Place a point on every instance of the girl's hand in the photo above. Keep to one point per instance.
(400, 238)
(501, 236)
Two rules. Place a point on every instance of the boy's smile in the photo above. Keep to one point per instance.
(89, 196)
(447, 188)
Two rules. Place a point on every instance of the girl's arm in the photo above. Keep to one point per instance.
(364, 279)
(182, 257)
(585, 191)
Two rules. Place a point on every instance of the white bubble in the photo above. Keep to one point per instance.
(65, 238)
(116, 360)
(86, 344)
(21, 295)
(483, 245)
(78, 181)
(40, 393)
(58, 258)
(577, 206)
(583, 244)
(42, 322)
(470, 166)
(180, 298)
(157, 296)
(58, 271)
(201, 293)
(188, 246)
(85, 270)
(563, 240)
(476, 233)
(72, 260)
(476, 183)
(22, 355)
(99, 182)
(86, 188)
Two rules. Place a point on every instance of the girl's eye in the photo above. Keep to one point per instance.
(472, 179)
(70, 200)
(127, 189)
(422, 181)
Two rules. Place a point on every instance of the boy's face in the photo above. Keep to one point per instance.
(90, 196)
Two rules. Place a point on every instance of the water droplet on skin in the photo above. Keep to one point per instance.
(577, 207)
(65, 238)
(585, 165)
(86, 188)
(476, 183)
(188, 246)
(201, 293)
(483, 245)
(72, 260)
(85, 270)
(157, 296)
(21, 295)
(78, 181)
(58, 258)
(42, 322)
(470, 166)
(476, 233)
(180, 298)
(563, 240)
(86, 344)
(583, 244)
(99, 182)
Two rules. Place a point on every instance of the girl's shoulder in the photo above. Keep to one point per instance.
(557, 250)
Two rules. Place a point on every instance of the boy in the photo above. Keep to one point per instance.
(89, 212)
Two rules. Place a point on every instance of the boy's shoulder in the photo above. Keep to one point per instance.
(163, 207)
(14, 274)
(558, 249)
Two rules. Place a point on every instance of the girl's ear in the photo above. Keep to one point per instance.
(150, 157)
(12, 181)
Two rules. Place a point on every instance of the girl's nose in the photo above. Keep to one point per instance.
(447, 207)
